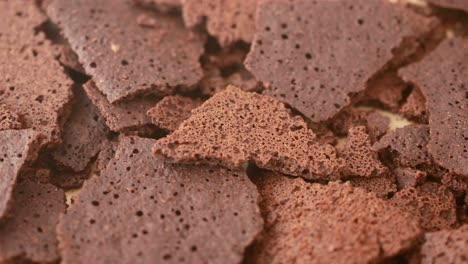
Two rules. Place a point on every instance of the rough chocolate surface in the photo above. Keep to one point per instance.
(407, 145)
(386, 89)
(360, 158)
(453, 4)
(160, 212)
(314, 223)
(121, 116)
(446, 246)
(441, 76)
(123, 57)
(9, 119)
(32, 83)
(17, 147)
(161, 5)
(171, 111)
(229, 21)
(30, 231)
(234, 127)
(408, 177)
(83, 134)
(415, 106)
(377, 125)
(432, 204)
(309, 48)
(383, 186)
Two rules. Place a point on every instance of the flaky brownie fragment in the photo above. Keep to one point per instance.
(452, 4)
(347, 119)
(383, 186)
(171, 111)
(29, 233)
(360, 158)
(160, 212)
(334, 223)
(415, 106)
(121, 116)
(316, 62)
(228, 21)
(377, 125)
(33, 84)
(17, 149)
(432, 204)
(83, 134)
(9, 119)
(386, 89)
(123, 57)
(441, 76)
(446, 246)
(407, 145)
(234, 127)
(408, 177)
(106, 154)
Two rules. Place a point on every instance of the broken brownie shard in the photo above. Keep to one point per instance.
(29, 233)
(441, 77)
(125, 58)
(333, 223)
(160, 212)
(234, 127)
(446, 246)
(229, 21)
(33, 84)
(314, 61)
(17, 148)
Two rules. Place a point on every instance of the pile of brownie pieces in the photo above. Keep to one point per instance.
(208, 131)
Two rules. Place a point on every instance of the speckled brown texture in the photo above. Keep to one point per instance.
(446, 246)
(453, 4)
(383, 186)
(30, 231)
(17, 148)
(227, 20)
(9, 119)
(124, 58)
(360, 159)
(386, 89)
(83, 134)
(316, 62)
(415, 106)
(314, 223)
(346, 119)
(32, 83)
(160, 212)
(171, 111)
(161, 5)
(234, 127)
(69, 59)
(124, 115)
(441, 76)
(408, 177)
(407, 145)
(106, 154)
(377, 125)
(432, 204)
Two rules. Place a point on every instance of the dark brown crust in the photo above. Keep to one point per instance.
(441, 78)
(313, 223)
(30, 233)
(234, 127)
(160, 212)
(124, 58)
(17, 148)
(316, 62)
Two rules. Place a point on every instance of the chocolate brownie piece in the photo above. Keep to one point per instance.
(69, 59)
(383, 186)
(347, 119)
(415, 106)
(121, 116)
(29, 233)
(9, 119)
(234, 127)
(377, 125)
(441, 78)
(386, 89)
(18, 148)
(334, 223)
(432, 204)
(160, 212)
(68, 180)
(228, 21)
(452, 4)
(33, 84)
(316, 62)
(446, 246)
(360, 159)
(171, 111)
(123, 57)
(407, 144)
(106, 154)
(408, 177)
(83, 134)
